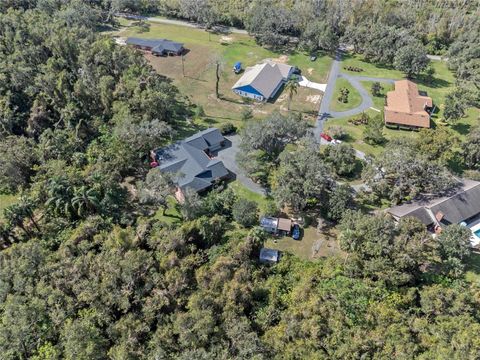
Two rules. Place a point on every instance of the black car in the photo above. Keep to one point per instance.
(296, 71)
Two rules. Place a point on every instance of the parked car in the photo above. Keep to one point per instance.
(326, 137)
(296, 232)
(296, 71)
(336, 141)
(313, 57)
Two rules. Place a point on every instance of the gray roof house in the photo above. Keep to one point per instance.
(269, 255)
(262, 81)
(157, 46)
(462, 207)
(191, 160)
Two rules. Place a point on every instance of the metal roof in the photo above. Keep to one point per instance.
(157, 45)
(270, 255)
(265, 78)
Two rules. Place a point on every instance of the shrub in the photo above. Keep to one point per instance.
(247, 114)
(228, 128)
(337, 132)
(245, 212)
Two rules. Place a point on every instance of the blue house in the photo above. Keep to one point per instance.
(262, 81)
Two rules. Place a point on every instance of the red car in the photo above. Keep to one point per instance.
(326, 137)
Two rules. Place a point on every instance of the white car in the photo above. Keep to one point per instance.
(335, 141)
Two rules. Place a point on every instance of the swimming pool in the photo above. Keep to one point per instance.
(477, 233)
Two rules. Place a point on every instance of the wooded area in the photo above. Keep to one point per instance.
(86, 271)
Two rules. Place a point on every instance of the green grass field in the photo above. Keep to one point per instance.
(5, 201)
(378, 101)
(198, 84)
(354, 98)
(171, 215)
(369, 69)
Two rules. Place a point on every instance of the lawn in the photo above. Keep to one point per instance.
(5, 201)
(378, 101)
(243, 193)
(472, 268)
(311, 245)
(354, 98)
(369, 69)
(198, 83)
(171, 215)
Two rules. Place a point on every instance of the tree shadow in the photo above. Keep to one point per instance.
(463, 129)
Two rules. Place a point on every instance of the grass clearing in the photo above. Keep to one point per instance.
(171, 215)
(5, 201)
(311, 245)
(378, 101)
(354, 98)
(242, 192)
(369, 69)
(472, 269)
(198, 84)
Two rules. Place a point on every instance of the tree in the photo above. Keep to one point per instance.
(437, 144)
(85, 200)
(382, 251)
(454, 248)
(471, 149)
(400, 173)
(376, 89)
(337, 132)
(319, 35)
(342, 157)
(411, 59)
(291, 87)
(339, 202)
(17, 160)
(245, 212)
(302, 179)
(192, 206)
(373, 132)
(156, 189)
(455, 106)
(247, 114)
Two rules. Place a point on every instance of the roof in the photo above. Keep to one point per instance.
(187, 158)
(406, 106)
(269, 255)
(157, 45)
(284, 224)
(269, 222)
(454, 209)
(285, 69)
(264, 78)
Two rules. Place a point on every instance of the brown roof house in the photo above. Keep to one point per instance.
(407, 107)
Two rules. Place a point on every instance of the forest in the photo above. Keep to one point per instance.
(86, 271)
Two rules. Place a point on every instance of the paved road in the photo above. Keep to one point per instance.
(228, 156)
(437, 57)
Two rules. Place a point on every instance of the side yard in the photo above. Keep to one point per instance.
(195, 76)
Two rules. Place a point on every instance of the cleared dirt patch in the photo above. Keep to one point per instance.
(315, 99)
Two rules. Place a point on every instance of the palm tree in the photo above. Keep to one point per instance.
(85, 200)
(59, 195)
(15, 215)
(291, 87)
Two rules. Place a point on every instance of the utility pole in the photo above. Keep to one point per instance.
(183, 65)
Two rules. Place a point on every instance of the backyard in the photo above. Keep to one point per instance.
(196, 76)
(5, 201)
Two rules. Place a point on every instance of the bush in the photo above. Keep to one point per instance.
(228, 128)
(245, 212)
(337, 132)
(361, 119)
(353, 68)
(247, 114)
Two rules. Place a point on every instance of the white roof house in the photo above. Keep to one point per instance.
(262, 81)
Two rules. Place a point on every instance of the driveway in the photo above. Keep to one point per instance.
(303, 81)
(228, 155)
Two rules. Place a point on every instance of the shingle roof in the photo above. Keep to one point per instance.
(461, 206)
(264, 78)
(188, 160)
(405, 106)
(157, 45)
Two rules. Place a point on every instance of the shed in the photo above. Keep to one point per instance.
(269, 224)
(284, 225)
(269, 255)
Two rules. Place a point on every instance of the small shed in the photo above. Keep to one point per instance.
(269, 224)
(269, 255)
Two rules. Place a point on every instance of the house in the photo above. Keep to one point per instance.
(407, 107)
(192, 161)
(277, 226)
(262, 81)
(269, 255)
(462, 207)
(159, 47)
